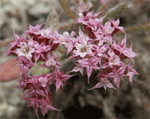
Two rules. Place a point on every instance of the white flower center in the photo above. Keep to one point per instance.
(83, 49)
(25, 50)
(51, 62)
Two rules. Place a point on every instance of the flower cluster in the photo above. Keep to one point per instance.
(32, 47)
(98, 49)
(95, 48)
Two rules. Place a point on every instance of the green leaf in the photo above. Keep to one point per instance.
(52, 20)
(37, 70)
(115, 12)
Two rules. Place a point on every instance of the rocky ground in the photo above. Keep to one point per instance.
(131, 101)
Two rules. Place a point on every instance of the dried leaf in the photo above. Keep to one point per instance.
(9, 70)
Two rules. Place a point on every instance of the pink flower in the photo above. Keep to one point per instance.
(46, 33)
(59, 78)
(91, 23)
(99, 50)
(45, 106)
(33, 29)
(102, 38)
(83, 50)
(77, 68)
(116, 25)
(33, 102)
(107, 28)
(84, 7)
(14, 45)
(130, 72)
(25, 64)
(120, 46)
(113, 59)
(34, 87)
(89, 64)
(40, 50)
(94, 23)
(57, 38)
(45, 79)
(25, 50)
(51, 62)
(116, 74)
(71, 43)
(103, 83)
(23, 82)
(128, 53)
(85, 19)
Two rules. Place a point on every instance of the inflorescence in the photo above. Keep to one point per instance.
(95, 49)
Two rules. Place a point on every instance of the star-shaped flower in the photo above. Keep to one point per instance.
(45, 106)
(116, 74)
(34, 87)
(107, 28)
(59, 78)
(89, 64)
(103, 83)
(130, 72)
(25, 50)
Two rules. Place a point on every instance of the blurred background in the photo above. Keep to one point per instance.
(131, 101)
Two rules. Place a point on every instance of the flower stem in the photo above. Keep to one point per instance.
(105, 6)
(142, 26)
(6, 42)
(67, 9)
(65, 26)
